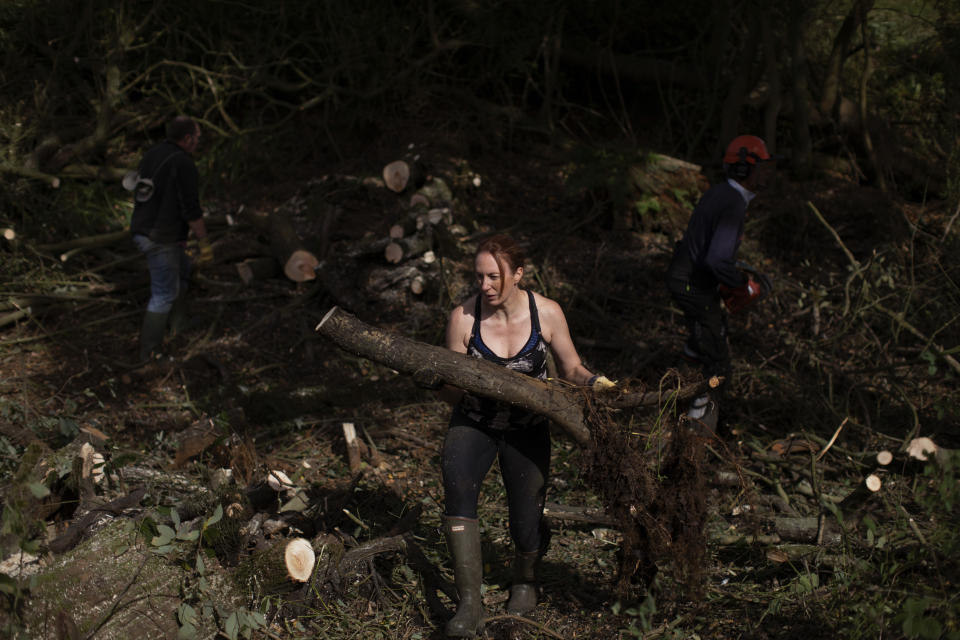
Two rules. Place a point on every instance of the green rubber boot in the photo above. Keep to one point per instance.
(463, 540)
(151, 333)
(523, 591)
(179, 320)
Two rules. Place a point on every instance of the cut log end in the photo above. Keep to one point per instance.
(418, 285)
(396, 175)
(9, 234)
(393, 253)
(279, 481)
(884, 458)
(301, 266)
(396, 232)
(299, 559)
(326, 316)
(921, 448)
(873, 483)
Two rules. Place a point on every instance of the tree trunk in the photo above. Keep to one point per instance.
(440, 365)
(739, 87)
(830, 92)
(771, 110)
(802, 144)
(868, 68)
(433, 366)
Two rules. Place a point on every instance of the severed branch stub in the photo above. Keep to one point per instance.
(353, 446)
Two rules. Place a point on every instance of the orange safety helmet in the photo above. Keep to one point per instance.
(748, 149)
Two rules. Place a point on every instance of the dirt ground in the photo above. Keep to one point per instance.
(251, 387)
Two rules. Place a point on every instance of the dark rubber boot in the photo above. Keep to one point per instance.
(463, 540)
(523, 592)
(526, 564)
(179, 319)
(151, 333)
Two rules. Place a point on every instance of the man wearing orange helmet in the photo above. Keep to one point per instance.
(704, 267)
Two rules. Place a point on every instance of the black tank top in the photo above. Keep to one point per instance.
(531, 360)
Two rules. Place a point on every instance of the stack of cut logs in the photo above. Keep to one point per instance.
(426, 224)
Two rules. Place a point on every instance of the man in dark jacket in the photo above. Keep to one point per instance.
(163, 216)
(703, 269)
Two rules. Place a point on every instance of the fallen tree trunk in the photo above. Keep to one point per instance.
(440, 365)
(437, 365)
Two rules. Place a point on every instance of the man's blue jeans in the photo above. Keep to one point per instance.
(169, 272)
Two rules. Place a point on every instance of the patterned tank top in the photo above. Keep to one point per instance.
(530, 360)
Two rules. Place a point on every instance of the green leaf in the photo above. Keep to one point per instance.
(165, 535)
(296, 503)
(232, 626)
(201, 567)
(187, 632)
(187, 614)
(38, 490)
(189, 536)
(215, 518)
(8, 584)
(175, 517)
(929, 628)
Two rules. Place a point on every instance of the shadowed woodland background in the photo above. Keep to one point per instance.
(588, 131)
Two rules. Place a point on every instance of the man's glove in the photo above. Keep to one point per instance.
(601, 383)
(741, 297)
(204, 252)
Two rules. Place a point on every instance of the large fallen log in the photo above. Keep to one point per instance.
(437, 365)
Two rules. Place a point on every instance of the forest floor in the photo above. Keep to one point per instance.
(251, 387)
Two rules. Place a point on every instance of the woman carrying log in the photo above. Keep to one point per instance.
(512, 327)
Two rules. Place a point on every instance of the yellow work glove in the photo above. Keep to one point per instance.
(204, 252)
(601, 383)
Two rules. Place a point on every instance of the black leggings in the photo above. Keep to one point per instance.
(468, 453)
